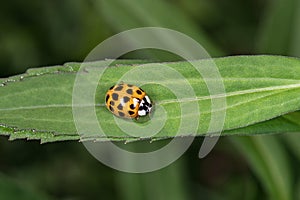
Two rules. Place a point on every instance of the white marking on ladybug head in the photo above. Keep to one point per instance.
(147, 99)
(145, 106)
(142, 113)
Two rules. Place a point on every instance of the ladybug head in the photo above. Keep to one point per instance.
(145, 106)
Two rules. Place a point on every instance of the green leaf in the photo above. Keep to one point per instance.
(260, 91)
(287, 123)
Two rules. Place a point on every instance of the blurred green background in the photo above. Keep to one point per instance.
(42, 33)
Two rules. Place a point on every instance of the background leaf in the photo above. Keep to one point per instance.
(274, 172)
(12, 189)
(137, 14)
(279, 27)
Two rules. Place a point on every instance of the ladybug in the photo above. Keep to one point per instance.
(127, 101)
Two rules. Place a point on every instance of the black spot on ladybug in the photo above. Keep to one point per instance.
(129, 91)
(120, 107)
(111, 108)
(126, 99)
(131, 106)
(121, 114)
(111, 87)
(119, 88)
(115, 96)
(112, 103)
(130, 112)
(129, 85)
(107, 97)
(141, 108)
(139, 92)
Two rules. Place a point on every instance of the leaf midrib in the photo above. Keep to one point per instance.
(164, 102)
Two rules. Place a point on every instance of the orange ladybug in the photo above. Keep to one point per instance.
(127, 101)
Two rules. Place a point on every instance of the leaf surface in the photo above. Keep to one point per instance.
(262, 96)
